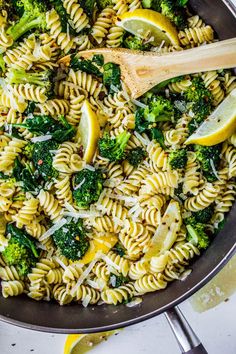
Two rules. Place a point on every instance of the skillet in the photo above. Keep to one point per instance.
(50, 317)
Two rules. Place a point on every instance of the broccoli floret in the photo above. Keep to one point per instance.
(201, 99)
(117, 280)
(23, 238)
(34, 17)
(42, 159)
(136, 156)
(113, 148)
(60, 129)
(111, 76)
(28, 150)
(19, 256)
(21, 250)
(87, 66)
(204, 216)
(152, 4)
(179, 191)
(88, 187)
(178, 159)
(197, 91)
(72, 241)
(88, 6)
(170, 9)
(197, 235)
(25, 175)
(135, 43)
(102, 4)
(159, 109)
(208, 156)
(42, 78)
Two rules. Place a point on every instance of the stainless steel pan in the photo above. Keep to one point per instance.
(43, 316)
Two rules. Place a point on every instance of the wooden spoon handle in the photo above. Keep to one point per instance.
(158, 68)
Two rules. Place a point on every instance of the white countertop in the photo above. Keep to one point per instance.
(216, 328)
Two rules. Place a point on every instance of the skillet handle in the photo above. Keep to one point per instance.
(188, 341)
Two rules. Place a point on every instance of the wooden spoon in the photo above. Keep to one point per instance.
(143, 70)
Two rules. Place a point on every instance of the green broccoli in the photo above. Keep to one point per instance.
(78, 63)
(117, 280)
(204, 216)
(201, 100)
(111, 76)
(135, 43)
(178, 159)
(34, 17)
(197, 235)
(209, 159)
(23, 238)
(42, 79)
(42, 157)
(102, 4)
(197, 91)
(60, 129)
(136, 155)
(159, 109)
(88, 187)
(113, 148)
(72, 241)
(19, 256)
(170, 9)
(21, 250)
(28, 150)
(147, 4)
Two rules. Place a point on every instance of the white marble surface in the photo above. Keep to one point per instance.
(216, 328)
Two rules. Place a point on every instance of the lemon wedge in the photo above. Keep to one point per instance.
(219, 126)
(166, 232)
(149, 24)
(82, 343)
(89, 131)
(101, 244)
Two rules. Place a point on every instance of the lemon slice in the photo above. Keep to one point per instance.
(102, 244)
(82, 343)
(89, 131)
(147, 24)
(219, 126)
(166, 232)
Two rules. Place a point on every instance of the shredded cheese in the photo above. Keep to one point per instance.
(54, 228)
(41, 138)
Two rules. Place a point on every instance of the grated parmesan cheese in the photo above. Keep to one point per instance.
(214, 170)
(41, 138)
(144, 141)
(54, 228)
(134, 302)
(138, 103)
